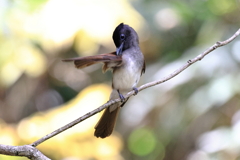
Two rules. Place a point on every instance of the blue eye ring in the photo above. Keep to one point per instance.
(122, 36)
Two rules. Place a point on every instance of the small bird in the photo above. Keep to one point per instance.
(127, 64)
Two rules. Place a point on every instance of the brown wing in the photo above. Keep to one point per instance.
(82, 62)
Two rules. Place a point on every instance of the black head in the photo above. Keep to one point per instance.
(124, 37)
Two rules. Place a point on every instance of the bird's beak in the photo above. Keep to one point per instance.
(119, 49)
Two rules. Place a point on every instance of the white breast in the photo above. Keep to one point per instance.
(127, 76)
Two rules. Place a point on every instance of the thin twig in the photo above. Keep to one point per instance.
(170, 76)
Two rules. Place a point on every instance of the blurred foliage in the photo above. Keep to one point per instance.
(195, 116)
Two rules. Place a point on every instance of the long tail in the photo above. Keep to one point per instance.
(105, 125)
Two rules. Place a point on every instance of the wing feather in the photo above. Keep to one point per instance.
(82, 62)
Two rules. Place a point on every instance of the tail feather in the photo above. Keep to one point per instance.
(105, 125)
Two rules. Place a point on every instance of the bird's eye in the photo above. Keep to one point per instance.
(122, 36)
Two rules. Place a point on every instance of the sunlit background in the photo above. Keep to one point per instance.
(195, 116)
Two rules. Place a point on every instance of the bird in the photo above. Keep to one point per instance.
(127, 64)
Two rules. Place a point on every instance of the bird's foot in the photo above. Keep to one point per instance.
(121, 96)
(135, 91)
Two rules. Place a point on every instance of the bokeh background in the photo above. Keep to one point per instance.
(194, 116)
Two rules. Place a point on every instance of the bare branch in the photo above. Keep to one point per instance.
(170, 76)
(31, 152)
(189, 63)
(23, 151)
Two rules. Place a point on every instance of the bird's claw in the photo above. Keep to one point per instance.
(135, 91)
(121, 97)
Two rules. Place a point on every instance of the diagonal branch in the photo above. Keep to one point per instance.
(145, 86)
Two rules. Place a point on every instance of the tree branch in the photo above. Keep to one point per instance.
(23, 151)
(145, 86)
(31, 152)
